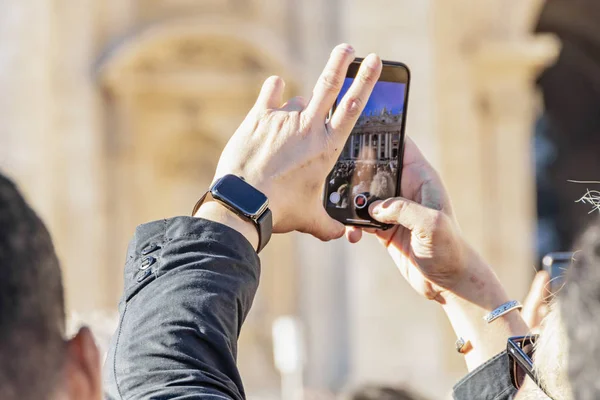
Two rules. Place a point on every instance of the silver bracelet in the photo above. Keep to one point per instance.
(502, 310)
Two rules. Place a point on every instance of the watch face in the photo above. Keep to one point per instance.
(240, 195)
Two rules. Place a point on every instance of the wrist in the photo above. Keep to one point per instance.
(477, 284)
(214, 211)
(477, 293)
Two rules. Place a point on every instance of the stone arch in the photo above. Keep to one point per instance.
(194, 77)
(191, 63)
(240, 43)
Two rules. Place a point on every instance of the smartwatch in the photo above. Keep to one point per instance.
(247, 202)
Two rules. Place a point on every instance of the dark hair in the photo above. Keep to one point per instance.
(580, 312)
(32, 319)
(375, 392)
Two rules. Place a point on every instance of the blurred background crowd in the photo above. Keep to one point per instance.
(113, 113)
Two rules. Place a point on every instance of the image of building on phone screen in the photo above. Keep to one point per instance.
(368, 164)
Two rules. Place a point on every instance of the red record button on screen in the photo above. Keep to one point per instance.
(360, 201)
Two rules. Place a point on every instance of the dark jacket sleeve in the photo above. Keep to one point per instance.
(189, 284)
(491, 381)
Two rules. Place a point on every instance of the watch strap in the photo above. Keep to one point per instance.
(264, 225)
(199, 203)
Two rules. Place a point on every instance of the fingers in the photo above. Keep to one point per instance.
(538, 291)
(534, 306)
(355, 100)
(327, 228)
(541, 286)
(384, 237)
(353, 234)
(421, 181)
(400, 211)
(330, 83)
(271, 94)
(297, 103)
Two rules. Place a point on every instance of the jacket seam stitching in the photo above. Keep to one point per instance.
(117, 349)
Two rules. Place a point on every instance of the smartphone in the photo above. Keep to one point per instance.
(557, 264)
(370, 165)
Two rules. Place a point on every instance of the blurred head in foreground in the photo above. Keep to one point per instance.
(567, 356)
(36, 361)
(580, 310)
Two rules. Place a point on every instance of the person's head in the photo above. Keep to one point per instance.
(36, 362)
(382, 185)
(580, 306)
(376, 392)
(550, 359)
(567, 356)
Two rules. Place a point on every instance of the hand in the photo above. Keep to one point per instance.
(286, 151)
(427, 247)
(425, 242)
(535, 306)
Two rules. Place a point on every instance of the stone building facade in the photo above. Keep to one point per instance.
(113, 113)
(376, 137)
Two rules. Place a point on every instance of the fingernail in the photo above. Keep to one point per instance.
(375, 208)
(346, 47)
(372, 60)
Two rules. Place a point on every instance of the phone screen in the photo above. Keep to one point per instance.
(369, 166)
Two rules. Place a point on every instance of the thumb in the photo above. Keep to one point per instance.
(401, 211)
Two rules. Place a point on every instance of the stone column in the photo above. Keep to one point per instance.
(486, 101)
(26, 104)
(505, 74)
(48, 129)
(79, 132)
(363, 145)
